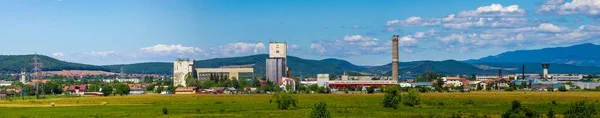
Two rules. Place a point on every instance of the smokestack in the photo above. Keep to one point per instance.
(523, 72)
(499, 73)
(395, 58)
(545, 66)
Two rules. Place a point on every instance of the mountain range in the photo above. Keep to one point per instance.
(581, 58)
(586, 54)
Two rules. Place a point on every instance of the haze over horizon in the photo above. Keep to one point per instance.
(122, 32)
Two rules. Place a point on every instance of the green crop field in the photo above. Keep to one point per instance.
(258, 105)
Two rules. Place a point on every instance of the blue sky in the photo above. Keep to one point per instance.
(132, 31)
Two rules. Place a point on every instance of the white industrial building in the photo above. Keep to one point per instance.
(181, 68)
(276, 64)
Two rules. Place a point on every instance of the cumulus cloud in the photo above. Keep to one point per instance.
(58, 54)
(103, 53)
(168, 49)
(351, 45)
(494, 10)
(545, 34)
(239, 48)
(414, 21)
(494, 15)
(588, 7)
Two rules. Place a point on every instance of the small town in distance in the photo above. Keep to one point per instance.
(299, 59)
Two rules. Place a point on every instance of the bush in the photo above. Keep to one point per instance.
(551, 113)
(550, 89)
(581, 110)
(323, 90)
(392, 98)
(412, 98)
(371, 90)
(320, 111)
(285, 101)
(508, 89)
(562, 89)
(517, 111)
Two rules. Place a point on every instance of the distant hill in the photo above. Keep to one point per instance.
(14, 64)
(581, 55)
(448, 67)
(537, 68)
(574, 59)
(163, 68)
(298, 65)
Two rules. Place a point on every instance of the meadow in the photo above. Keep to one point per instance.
(259, 105)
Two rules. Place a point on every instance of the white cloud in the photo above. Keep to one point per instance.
(351, 45)
(414, 21)
(544, 34)
(494, 15)
(239, 48)
(168, 49)
(494, 10)
(588, 7)
(551, 28)
(103, 53)
(58, 54)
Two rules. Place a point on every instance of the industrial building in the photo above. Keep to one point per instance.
(181, 68)
(276, 64)
(225, 72)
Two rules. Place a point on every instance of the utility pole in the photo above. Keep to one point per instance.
(37, 73)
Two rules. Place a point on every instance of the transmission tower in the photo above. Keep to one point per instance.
(37, 74)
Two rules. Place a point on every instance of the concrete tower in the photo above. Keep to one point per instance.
(181, 68)
(276, 64)
(545, 66)
(395, 58)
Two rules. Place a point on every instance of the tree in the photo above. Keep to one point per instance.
(551, 113)
(313, 87)
(190, 80)
(517, 111)
(562, 89)
(439, 85)
(523, 85)
(412, 98)
(106, 89)
(581, 110)
(551, 89)
(93, 88)
(121, 89)
(159, 89)
(319, 110)
(392, 97)
(285, 101)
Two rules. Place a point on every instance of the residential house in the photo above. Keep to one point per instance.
(185, 90)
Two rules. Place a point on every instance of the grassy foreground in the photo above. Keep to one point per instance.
(340, 105)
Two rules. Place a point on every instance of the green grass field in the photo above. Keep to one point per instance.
(258, 105)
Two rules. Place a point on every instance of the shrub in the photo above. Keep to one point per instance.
(517, 111)
(392, 98)
(412, 98)
(285, 100)
(371, 90)
(508, 89)
(165, 111)
(323, 90)
(562, 89)
(581, 110)
(319, 110)
(551, 113)
(550, 89)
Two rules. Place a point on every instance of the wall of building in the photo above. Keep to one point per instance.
(275, 69)
(180, 69)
